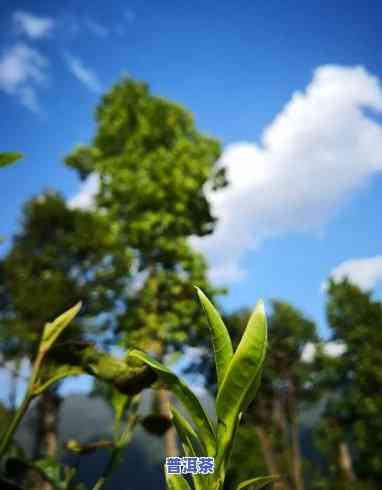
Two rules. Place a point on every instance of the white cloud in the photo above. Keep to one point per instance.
(364, 272)
(318, 149)
(31, 25)
(84, 199)
(331, 349)
(97, 29)
(85, 75)
(22, 69)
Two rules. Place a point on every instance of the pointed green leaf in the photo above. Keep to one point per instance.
(189, 400)
(257, 483)
(221, 340)
(240, 379)
(176, 482)
(8, 158)
(54, 329)
(120, 402)
(191, 445)
(186, 432)
(252, 391)
(228, 448)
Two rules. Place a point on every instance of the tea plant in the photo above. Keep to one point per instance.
(238, 375)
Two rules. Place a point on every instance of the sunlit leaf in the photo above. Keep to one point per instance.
(240, 379)
(54, 329)
(191, 445)
(176, 482)
(189, 400)
(256, 483)
(186, 433)
(9, 157)
(221, 340)
(120, 403)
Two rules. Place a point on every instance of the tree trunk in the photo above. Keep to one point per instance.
(296, 454)
(46, 444)
(281, 423)
(170, 437)
(345, 462)
(269, 457)
(295, 439)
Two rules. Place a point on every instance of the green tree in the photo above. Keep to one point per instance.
(59, 256)
(352, 429)
(291, 380)
(154, 169)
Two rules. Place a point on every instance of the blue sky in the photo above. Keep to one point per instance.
(292, 90)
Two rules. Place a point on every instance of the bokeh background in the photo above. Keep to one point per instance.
(232, 145)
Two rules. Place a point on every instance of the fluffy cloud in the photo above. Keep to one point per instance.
(85, 75)
(31, 25)
(364, 272)
(84, 198)
(22, 70)
(318, 149)
(331, 349)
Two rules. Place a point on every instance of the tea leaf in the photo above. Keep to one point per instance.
(221, 340)
(54, 329)
(186, 397)
(176, 482)
(241, 377)
(120, 403)
(257, 483)
(9, 157)
(186, 432)
(191, 445)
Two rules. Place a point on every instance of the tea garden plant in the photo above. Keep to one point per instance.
(238, 376)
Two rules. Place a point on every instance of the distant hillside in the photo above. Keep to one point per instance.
(88, 419)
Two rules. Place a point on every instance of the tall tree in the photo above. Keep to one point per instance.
(60, 256)
(154, 169)
(352, 425)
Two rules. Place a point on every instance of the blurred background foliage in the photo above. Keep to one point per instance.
(317, 418)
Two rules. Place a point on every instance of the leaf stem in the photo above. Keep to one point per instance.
(21, 411)
(7, 437)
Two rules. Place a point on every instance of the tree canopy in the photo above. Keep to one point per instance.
(352, 416)
(59, 256)
(155, 171)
